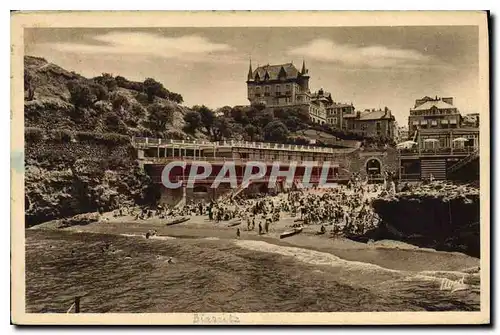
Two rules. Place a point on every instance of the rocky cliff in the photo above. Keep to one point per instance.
(78, 154)
(439, 216)
(79, 175)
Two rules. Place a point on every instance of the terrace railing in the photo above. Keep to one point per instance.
(238, 161)
(437, 151)
(146, 142)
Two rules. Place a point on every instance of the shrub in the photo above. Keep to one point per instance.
(80, 94)
(102, 138)
(33, 134)
(114, 123)
(142, 98)
(119, 102)
(61, 135)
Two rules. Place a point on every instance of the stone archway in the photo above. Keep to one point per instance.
(373, 166)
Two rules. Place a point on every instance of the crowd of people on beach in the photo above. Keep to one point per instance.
(345, 208)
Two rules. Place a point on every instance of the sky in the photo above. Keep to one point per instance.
(372, 67)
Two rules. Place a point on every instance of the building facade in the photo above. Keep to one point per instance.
(470, 120)
(283, 85)
(371, 123)
(433, 113)
(278, 85)
(335, 114)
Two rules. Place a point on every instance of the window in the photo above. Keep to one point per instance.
(258, 88)
(266, 88)
(378, 126)
(334, 120)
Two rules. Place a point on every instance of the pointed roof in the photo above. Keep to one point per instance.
(433, 103)
(274, 71)
(250, 71)
(303, 71)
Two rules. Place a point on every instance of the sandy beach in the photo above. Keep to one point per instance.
(386, 253)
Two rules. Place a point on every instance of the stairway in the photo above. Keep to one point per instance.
(436, 167)
(461, 163)
(414, 139)
(233, 193)
(182, 201)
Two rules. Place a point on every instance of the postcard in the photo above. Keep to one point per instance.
(250, 168)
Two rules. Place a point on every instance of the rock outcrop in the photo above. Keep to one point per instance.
(438, 215)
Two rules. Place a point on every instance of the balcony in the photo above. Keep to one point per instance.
(437, 151)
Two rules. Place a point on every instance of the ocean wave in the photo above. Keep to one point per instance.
(162, 237)
(311, 256)
(132, 235)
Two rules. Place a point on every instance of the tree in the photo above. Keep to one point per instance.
(252, 132)
(239, 115)
(275, 131)
(207, 117)
(175, 97)
(193, 121)
(259, 106)
(81, 94)
(119, 102)
(221, 129)
(108, 81)
(264, 117)
(154, 88)
(159, 116)
(99, 91)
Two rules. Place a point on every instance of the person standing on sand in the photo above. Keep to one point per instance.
(238, 233)
(260, 228)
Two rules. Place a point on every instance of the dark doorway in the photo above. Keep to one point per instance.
(373, 167)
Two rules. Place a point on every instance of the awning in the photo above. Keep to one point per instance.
(423, 121)
(415, 123)
(434, 122)
(453, 121)
(444, 121)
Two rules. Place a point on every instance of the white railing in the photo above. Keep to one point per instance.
(156, 142)
(216, 160)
